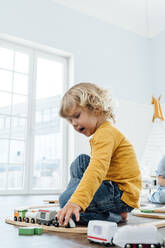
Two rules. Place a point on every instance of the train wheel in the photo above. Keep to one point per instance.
(107, 244)
(27, 220)
(33, 221)
(56, 224)
(91, 241)
(19, 219)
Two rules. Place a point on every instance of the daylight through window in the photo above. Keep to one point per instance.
(31, 132)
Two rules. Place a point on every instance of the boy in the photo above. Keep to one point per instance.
(106, 185)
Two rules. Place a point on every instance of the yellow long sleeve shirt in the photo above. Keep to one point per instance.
(112, 158)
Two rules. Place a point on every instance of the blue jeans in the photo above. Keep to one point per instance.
(106, 204)
(159, 195)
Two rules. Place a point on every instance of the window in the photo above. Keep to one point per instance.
(31, 132)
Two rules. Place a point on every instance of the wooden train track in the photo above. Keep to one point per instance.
(81, 230)
(153, 215)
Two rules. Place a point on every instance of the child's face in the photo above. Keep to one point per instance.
(83, 121)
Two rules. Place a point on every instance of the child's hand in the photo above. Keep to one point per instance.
(66, 212)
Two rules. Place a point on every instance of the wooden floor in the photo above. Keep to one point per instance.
(9, 237)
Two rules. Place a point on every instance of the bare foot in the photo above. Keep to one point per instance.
(124, 216)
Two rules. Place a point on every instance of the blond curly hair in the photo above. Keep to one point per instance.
(89, 96)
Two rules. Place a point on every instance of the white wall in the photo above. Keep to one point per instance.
(135, 121)
(158, 61)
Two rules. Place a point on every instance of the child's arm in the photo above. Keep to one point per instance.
(161, 181)
(91, 180)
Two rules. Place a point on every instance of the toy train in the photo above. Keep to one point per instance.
(107, 233)
(39, 216)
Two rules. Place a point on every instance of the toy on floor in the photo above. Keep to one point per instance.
(48, 217)
(107, 233)
(133, 236)
(45, 216)
(19, 214)
(101, 231)
(31, 216)
(30, 230)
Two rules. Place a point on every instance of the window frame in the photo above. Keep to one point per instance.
(37, 50)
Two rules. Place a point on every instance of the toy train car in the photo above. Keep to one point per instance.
(48, 217)
(19, 214)
(101, 231)
(135, 237)
(31, 216)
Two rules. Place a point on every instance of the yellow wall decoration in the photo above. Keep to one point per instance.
(158, 113)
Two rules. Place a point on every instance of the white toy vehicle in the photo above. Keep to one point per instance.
(101, 231)
(138, 236)
(45, 216)
(48, 217)
(31, 215)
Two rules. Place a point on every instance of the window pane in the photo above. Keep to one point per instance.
(47, 114)
(48, 135)
(4, 148)
(18, 128)
(19, 106)
(5, 103)
(17, 68)
(6, 58)
(2, 176)
(21, 62)
(6, 80)
(2, 122)
(49, 78)
(47, 161)
(20, 83)
(17, 151)
(4, 126)
(15, 176)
